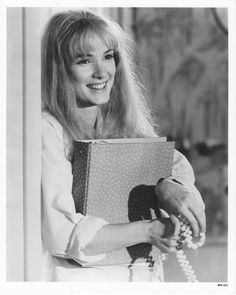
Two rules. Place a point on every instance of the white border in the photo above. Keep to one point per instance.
(3, 60)
(114, 288)
(120, 3)
(232, 148)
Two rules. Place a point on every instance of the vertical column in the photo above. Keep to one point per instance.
(14, 152)
(32, 143)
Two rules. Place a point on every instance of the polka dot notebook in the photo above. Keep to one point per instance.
(115, 179)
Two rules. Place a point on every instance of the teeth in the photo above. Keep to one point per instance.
(97, 86)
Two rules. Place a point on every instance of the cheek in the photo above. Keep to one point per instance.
(80, 77)
(113, 70)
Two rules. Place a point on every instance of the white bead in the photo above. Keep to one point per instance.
(187, 235)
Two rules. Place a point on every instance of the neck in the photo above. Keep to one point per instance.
(88, 114)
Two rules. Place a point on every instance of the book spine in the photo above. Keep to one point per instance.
(87, 178)
(80, 170)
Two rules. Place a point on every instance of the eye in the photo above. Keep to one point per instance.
(109, 56)
(83, 61)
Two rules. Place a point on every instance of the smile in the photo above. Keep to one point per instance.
(97, 86)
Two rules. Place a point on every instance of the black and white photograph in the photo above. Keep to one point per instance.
(120, 147)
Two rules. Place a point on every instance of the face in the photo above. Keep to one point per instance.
(94, 74)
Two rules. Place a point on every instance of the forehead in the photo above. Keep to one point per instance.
(96, 44)
(89, 41)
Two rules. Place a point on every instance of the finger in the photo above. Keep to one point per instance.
(192, 221)
(197, 209)
(164, 248)
(165, 244)
(160, 245)
(200, 216)
(176, 223)
(169, 242)
(198, 196)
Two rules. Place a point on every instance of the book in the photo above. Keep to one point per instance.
(115, 180)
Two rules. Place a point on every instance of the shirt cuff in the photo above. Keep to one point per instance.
(82, 235)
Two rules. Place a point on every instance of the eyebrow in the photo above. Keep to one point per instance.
(89, 54)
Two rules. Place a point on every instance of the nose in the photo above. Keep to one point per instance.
(99, 71)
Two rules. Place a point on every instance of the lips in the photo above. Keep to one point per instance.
(97, 86)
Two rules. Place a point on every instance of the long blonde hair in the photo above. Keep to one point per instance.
(66, 35)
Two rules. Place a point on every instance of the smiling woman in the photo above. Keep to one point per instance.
(90, 90)
(93, 74)
(87, 50)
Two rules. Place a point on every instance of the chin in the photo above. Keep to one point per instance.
(92, 101)
(100, 101)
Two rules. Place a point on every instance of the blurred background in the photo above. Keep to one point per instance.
(183, 59)
(182, 56)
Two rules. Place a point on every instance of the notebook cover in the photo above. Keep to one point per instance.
(115, 180)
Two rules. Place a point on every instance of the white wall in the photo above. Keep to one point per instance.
(23, 143)
(14, 202)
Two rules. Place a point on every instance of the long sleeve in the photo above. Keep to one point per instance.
(65, 232)
(182, 172)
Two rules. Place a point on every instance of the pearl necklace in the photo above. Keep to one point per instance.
(185, 237)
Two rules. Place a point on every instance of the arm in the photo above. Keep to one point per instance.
(163, 234)
(62, 228)
(178, 195)
(69, 234)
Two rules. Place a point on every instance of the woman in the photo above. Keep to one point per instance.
(90, 90)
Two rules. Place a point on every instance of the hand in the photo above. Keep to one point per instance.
(176, 199)
(163, 233)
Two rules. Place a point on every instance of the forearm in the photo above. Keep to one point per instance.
(116, 236)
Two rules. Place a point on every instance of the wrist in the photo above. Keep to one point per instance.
(146, 225)
(154, 228)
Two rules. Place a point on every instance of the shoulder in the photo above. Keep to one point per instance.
(51, 128)
(53, 134)
(48, 119)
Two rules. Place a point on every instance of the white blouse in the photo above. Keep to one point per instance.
(66, 233)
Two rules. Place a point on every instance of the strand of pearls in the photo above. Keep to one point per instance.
(186, 266)
(185, 237)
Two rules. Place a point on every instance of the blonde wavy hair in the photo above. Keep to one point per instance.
(68, 34)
